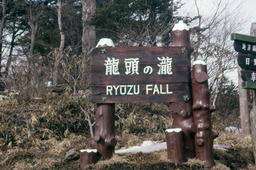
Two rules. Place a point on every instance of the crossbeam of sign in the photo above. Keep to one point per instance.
(140, 74)
(246, 46)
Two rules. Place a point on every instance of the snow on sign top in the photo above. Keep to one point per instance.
(89, 150)
(105, 41)
(199, 62)
(177, 130)
(180, 26)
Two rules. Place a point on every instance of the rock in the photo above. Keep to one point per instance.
(72, 154)
(221, 147)
(232, 129)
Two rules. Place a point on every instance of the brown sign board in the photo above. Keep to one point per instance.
(247, 61)
(140, 74)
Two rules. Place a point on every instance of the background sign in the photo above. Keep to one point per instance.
(140, 74)
(246, 46)
(247, 61)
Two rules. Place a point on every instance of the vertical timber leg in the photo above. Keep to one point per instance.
(182, 110)
(103, 143)
(183, 118)
(202, 114)
(104, 140)
(175, 147)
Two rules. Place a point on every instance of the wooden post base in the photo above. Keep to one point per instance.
(175, 145)
(87, 157)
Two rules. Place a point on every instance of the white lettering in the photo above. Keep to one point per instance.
(167, 89)
(161, 89)
(156, 90)
(112, 66)
(247, 61)
(148, 70)
(244, 46)
(165, 66)
(109, 89)
(116, 88)
(148, 88)
(138, 90)
(253, 76)
(123, 89)
(130, 89)
(249, 47)
(254, 48)
(132, 66)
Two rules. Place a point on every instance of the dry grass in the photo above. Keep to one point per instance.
(38, 135)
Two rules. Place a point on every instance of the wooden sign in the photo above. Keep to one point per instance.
(249, 85)
(246, 46)
(244, 43)
(248, 75)
(140, 74)
(247, 61)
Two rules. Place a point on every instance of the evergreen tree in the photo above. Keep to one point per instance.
(137, 22)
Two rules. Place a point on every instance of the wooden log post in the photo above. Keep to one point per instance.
(104, 139)
(183, 118)
(253, 111)
(182, 110)
(175, 145)
(88, 156)
(202, 114)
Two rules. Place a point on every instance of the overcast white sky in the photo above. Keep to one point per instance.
(242, 10)
(246, 9)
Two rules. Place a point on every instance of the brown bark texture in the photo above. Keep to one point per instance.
(89, 33)
(253, 111)
(104, 140)
(1, 31)
(182, 110)
(183, 118)
(87, 158)
(175, 146)
(202, 115)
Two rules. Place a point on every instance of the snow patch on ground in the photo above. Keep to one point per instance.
(146, 147)
(154, 146)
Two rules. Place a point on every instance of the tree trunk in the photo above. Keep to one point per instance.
(89, 34)
(62, 42)
(62, 36)
(253, 111)
(10, 53)
(1, 31)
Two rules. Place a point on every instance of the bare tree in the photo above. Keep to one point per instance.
(89, 34)
(1, 30)
(211, 37)
(34, 16)
(62, 42)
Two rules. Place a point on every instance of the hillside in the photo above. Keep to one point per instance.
(38, 134)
